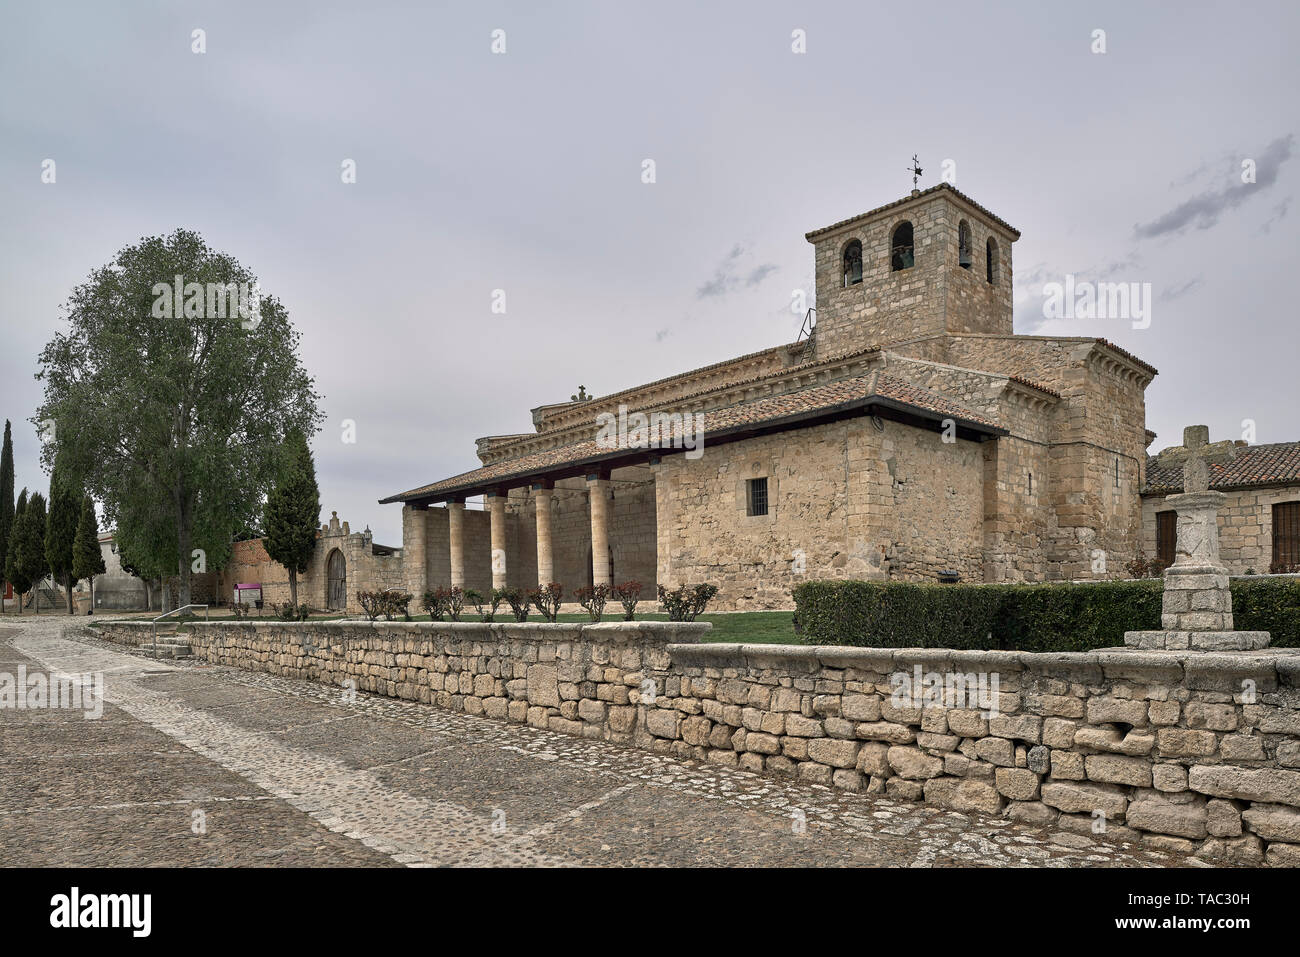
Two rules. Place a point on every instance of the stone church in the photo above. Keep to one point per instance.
(912, 435)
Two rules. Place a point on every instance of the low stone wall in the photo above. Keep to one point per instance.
(1195, 751)
(133, 633)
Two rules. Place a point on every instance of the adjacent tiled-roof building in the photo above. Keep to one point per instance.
(1259, 521)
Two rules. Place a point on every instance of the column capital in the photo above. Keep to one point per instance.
(544, 485)
(600, 475)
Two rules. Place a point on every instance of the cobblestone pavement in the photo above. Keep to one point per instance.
(288, 772)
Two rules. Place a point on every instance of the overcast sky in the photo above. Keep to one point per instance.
(522, 171)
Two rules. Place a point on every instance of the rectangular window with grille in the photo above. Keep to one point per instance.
(757, 497)
(1166, 535)
(1286, 537)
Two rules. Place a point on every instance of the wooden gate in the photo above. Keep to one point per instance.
(336, 572)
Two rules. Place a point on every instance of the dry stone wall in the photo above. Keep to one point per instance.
(1182, 750)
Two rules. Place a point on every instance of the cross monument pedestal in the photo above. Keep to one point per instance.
(1196, 611)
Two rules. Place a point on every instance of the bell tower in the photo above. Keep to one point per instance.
(930, 264)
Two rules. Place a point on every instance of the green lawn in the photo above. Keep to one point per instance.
(744, 627)
(741, 627)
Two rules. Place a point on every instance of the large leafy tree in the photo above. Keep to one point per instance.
(175, 420)
(293, 511)
(6, 502)
(87, 556)
(26, 564)
(66, 496)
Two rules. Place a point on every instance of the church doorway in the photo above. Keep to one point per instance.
(336, 573)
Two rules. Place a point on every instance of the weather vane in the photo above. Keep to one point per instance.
(915, 170)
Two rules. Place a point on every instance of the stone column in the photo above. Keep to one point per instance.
(542, 494)
(415, 544)
(497, 506)
(456, 538)
(1196, 596)
(598, 500)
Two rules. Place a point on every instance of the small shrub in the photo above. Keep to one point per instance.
(455, 602)
(546, 599)
(369, 601)
(627, 595)
(517, 599)
(434, 602)
(686, 602)
(476, 598)
(291, 612)
(593, 600)
(1140, 567)
(388, 603)
(479, 600)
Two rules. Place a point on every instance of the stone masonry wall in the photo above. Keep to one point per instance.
(934, 296)
(365, 571)
(844, 501)
(1179, 750)
(1099, 425)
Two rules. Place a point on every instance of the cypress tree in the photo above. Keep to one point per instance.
(66, 497)
(293, 511)
(87, 557)
(11, 551)
(26, 564)
(6, 502)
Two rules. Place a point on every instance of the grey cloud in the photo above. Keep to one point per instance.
(1204, 209)
(1174, 292)
(727, 277)
(1279, 213)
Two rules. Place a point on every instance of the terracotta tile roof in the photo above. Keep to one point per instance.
(1033, 385)
(711, 367)
(614, 397)
(907, 199)
(778, 411)
(1277, 464)
(1128, 355)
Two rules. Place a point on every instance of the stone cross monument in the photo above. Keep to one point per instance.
(1196, 611)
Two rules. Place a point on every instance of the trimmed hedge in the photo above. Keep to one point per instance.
(1038, 617)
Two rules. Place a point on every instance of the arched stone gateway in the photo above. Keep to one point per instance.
(336, 573)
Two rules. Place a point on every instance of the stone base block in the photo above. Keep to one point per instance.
(1196, 598)
(1197, 640)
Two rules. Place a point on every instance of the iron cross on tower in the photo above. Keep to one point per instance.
(914, 169)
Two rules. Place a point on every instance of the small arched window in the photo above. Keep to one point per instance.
(964, 253)
(991, 262)
(902, 254)
(852, 263)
